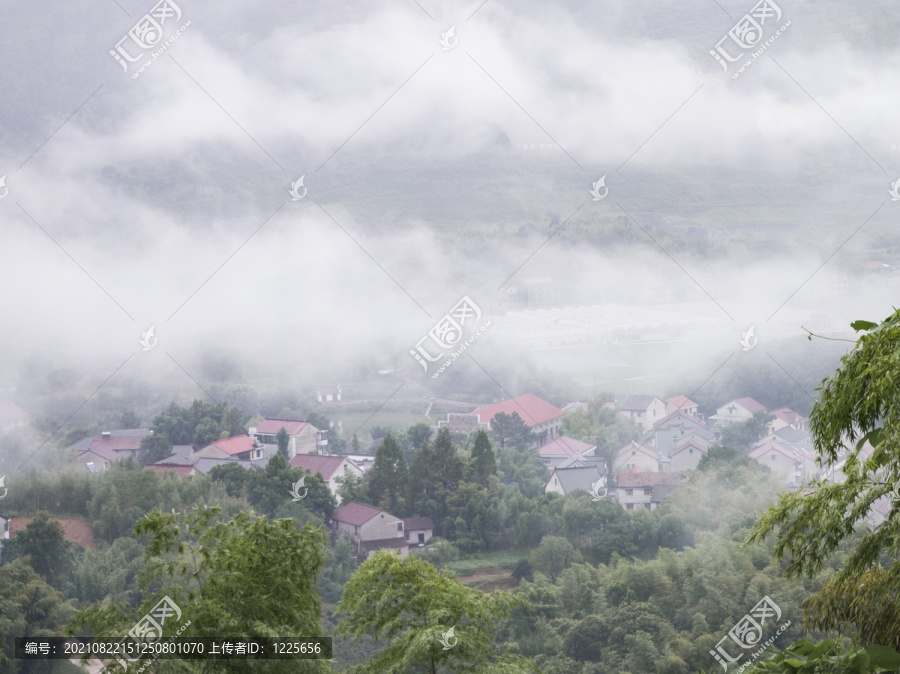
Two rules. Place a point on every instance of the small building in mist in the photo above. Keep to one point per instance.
(737, 411)
(303, 437)
(12, 416)
(369, 529)
(540, 416)
(638, 489)
(644, 410)
(329, 467)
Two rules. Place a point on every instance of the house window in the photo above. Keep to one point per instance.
(629, 492)
(773, 457)
(399, 526)
(647, 491)
(421, 539)
(629, 506)
(646, 506)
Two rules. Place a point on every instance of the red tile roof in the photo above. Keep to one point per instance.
(770, 446)
(750, 405)
(75, 531)
(564, 446)
(681, 402)
(102, 452)
(786, 415)
(637, 478)
(532, 409)
(237, 444)
(10, 412)
(326, 465)
(272, 426)
(356, 513)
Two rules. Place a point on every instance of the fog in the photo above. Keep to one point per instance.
(434, 174)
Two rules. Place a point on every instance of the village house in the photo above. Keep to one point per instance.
(303, 437)
(737, 411)
(240, 447)
(418, 530)
(540, 416)
(557, 451)
(686, 454)
(636, 489)
(566, 480)
(644, 410)
(682, 404)
(637, 457)
(676, 427)
(781, 460)
(97, 452)
(369, 529)
(329, 467)
(786, 418)
(12, 416)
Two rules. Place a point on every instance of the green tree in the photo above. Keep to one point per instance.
(44, 543)
(233, 475)
(482, 463)
(552, 556)
(411, 606)
(857, 404)
(418, 434)
(510, 431)
(28, 606)
(744, 435)
(269, 488)
(247, 577)
(283, 440)
(387, 480)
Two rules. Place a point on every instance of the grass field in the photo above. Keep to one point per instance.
(506, 559)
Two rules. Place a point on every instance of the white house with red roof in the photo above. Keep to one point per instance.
(329, 467)
(12, 416)
(782, 460)
(369, 529)
(637, 457)
(637, 489)
(303, 437)
(737, 411)
(682, 404)
(539, 415)
(786, 418)
(644, 410)
(562, 448)
(240, 447)
(687, 454)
